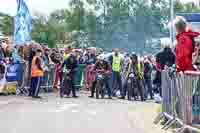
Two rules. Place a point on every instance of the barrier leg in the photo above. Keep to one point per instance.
(158, 118)
(188, 129)
(182, 130)
(177, 121)
(168, 123)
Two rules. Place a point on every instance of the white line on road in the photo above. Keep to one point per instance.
(64, 108)
(91, 112)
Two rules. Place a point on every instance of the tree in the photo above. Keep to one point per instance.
(188, 7)
(130, 23)
(6, 24)
(127, 24)
(43, 31)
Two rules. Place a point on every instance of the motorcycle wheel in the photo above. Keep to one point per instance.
(129, 89)
(98, 88)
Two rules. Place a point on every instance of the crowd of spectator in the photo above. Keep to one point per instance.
(116, 66)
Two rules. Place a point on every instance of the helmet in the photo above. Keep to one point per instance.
(100, 57)
(134, 55)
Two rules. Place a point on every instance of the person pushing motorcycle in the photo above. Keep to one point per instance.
(135, 67)
(103, 70)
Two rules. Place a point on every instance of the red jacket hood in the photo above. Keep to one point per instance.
(188, 33)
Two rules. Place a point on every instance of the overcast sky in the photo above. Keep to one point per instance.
(43, 6)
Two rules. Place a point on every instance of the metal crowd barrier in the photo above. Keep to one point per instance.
(48, 79)
(24, 79)
(8, 79)
(25, 82)
(3, 78)
(181, 101)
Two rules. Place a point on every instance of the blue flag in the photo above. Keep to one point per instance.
(23, 24)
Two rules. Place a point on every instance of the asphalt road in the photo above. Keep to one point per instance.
(55, 115)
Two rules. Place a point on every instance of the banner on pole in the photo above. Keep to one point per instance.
(23, 24)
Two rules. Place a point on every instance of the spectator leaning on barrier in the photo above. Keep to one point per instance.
(56, 58)
(164, 58)
(196, 54)
(67, 52)
(5, 49)
(185, 45)
(2, 49)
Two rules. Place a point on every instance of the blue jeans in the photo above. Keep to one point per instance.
(116, 82)
(107, 84)
(149, 89)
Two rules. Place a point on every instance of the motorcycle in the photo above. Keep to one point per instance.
(65, 83)
(99, 86)
(100, 83)
(132, 86)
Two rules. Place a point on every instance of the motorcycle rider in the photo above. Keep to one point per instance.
(102, 66)
(135, 67)
(68, 74)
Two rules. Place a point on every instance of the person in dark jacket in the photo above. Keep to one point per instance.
(164, 58)
(4, 53)
(148, 67)
(68, 69)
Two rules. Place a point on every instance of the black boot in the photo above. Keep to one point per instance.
(122, 97)
(75, 96)
(92, 96)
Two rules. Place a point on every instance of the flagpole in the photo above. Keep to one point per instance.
(172, 18)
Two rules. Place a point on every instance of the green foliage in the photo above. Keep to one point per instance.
(126, 24)
(129, 24)
(6, 24)
(188, 7)
(43, 32)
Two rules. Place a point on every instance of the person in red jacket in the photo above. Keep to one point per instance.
(185, 46)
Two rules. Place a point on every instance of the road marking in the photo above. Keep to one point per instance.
(90, 119)
(75, 111)
(7, 101)
(91, 112)
(64, 107)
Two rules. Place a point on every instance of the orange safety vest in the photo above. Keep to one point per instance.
(35, 71)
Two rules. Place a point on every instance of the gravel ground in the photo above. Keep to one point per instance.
(55, 115)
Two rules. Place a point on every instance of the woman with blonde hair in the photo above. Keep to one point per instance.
(164, 58)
